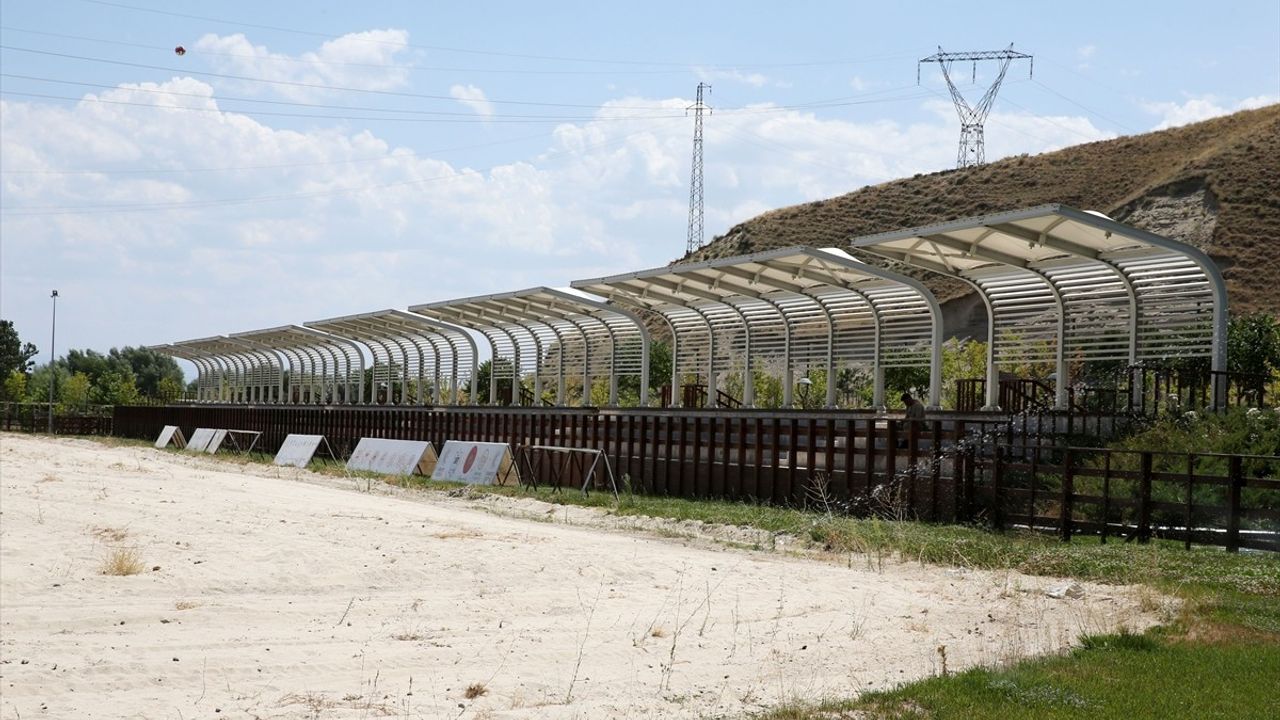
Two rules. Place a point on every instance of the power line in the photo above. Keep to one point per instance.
(493, 53)
(1095, 113)
(338, 63)
(292, 83)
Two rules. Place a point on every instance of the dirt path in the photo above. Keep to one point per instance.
(284, 594)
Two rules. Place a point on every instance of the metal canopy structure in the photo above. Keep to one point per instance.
(229, 371)
(553, 335)
(411, 351)
(800, 307)
(1061, 284)
(209, 372)
(323, 369)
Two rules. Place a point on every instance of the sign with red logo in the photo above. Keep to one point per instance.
(475, 463)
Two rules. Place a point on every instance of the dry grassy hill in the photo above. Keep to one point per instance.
(1214, 184)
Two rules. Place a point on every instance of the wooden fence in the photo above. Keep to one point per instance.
(949, 468)
(1203, 498)
(34, 417)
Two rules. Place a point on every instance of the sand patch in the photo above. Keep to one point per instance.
(284, 594)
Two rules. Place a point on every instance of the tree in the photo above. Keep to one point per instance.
(115, 388)
(39, 378)
(75, 391)
(168, 389)
(14, 354)
(148, 366)
(1253, 344)
(478, 386)
(15, 386)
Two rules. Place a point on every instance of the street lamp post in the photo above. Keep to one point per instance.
(53, 356)
(805, 383)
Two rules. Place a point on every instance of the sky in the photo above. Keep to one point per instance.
(305, 160)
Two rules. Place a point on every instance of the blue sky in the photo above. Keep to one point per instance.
(317, 159)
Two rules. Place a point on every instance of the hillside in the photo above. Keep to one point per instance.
(1214, 184)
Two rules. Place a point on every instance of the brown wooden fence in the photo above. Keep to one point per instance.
(949, 468)
(34, 417)
(1202, 498)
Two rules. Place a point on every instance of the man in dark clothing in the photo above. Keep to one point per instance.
(915, 415)
(914, 408)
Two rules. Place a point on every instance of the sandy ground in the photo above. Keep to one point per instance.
(272, 593)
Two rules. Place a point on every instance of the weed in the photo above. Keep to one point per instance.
(475, 690)
(122, 561)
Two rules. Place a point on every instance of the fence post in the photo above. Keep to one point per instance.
(1144, 499)
(1068, 495)
(997, 490)
(1236, 475)
(970, 466)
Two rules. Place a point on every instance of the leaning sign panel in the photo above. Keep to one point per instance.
(474, 463)
(393, 457)
(297, 450)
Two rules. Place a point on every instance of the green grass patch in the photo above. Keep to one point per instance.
(1123, 676)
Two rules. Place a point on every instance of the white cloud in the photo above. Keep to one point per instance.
(346, 222)
(370, 60)
(1195, 109)
(473, 97)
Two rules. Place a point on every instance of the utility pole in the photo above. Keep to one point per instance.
(972, 151)
(695, 179)
(53, 357)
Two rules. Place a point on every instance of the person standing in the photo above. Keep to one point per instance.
(914, 412)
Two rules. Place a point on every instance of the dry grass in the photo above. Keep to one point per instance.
(185, 605)
(475, 690)
(1235, 159)
(109, 534)
(122, 561)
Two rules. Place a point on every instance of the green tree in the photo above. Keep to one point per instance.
(148, 366)
(168, 389)
(39, 378)
(115, 388)
(480, 383)
(1253, 344)
(88, 362)
(15, 386)
(75, 391)
(14, 354)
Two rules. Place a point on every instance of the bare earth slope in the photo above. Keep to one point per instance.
(1214, 184)
(283, 594)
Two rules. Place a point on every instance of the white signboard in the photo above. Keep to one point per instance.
(474, 463)
(171, 434)
(200, 439)
(215, 441)
(297, 450)
(393, 457)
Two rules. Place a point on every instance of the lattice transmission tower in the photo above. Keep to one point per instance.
(695, 174)
(972, 117)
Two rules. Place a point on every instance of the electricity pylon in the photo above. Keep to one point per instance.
(695, 179)
(971, 150)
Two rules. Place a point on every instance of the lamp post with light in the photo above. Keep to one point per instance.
(805, 384)
(53, 356)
